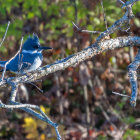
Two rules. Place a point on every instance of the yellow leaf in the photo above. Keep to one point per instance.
(42, 137)
(30, 127)
(45, 110)
(42, 108)
(30, 123)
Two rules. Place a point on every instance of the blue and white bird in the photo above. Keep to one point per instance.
(29, 59)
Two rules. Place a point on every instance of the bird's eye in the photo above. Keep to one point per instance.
(36, 47)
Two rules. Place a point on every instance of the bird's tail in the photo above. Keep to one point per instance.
(2, 63)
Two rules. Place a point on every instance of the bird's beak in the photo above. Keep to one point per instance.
(45, 48)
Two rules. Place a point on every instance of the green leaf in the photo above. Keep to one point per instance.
(30, 15)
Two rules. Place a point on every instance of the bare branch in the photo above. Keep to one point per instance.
(75, 59)
(5, 33)
(36, 87)
(28, 108)
(87, 31)
(133, 78)
(42, 116)
(13, 91)
(104, 14)
(120, 94)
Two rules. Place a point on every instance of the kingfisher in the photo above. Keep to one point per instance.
(29, 59)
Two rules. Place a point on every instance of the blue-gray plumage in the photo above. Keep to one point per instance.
(29, 59)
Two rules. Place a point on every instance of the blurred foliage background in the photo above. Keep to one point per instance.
(79, 98)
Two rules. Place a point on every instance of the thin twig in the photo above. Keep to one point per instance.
(3, 73)
(19, 52)
(87, 31)
(104, 14)
(5, 33)
(120, 94)
(36, 87)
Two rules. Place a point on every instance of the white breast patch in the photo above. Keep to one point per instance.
(37, 63)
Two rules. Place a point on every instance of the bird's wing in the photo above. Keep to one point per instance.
(24, 63)
(24, 66)
(18, 64)
(30, 62)
(2, 63)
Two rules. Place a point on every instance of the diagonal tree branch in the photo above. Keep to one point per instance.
(75, 59)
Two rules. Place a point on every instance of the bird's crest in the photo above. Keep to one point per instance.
(35, 37)
(31, 41)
